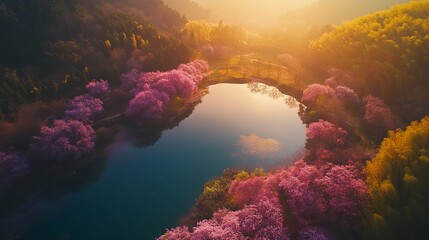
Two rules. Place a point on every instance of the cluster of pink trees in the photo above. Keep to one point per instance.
(346, 95)
(84, 108)
(301, 197)
(153, 91)
(317, 92)
(315, 194)
(73, 136)
(98, 89)
(262, 220)
(325, 141)
(328, 193)
(314, 92)
(65, 139)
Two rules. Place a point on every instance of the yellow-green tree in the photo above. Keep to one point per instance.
(388, 50)
(398, 179)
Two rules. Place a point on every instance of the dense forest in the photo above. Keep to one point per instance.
(79, 79)
(386, 53)
(50, 49)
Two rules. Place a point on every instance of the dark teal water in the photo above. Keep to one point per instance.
(143, 191)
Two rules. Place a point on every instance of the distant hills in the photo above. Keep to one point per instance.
(189, 8)
(250, 13)
(337, 11)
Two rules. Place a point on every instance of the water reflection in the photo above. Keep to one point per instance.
(153, 175)
(272, 92)
(291, 102)
(255, 146)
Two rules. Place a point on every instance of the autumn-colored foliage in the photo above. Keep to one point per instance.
(386, 51)
(398, 180)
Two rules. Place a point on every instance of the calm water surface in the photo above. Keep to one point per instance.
(143, 191)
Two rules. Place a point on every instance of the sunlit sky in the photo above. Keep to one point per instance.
(251, 11)
(260, 13)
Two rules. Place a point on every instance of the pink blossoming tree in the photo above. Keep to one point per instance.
(314, 92)
(262, 220)
(147, 105)
(329, 193)
(324, 140)
(98, 89)
(65, 139)
(347, 96)
(84, 108)
(153, 91)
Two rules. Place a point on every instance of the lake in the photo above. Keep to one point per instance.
(143, 191)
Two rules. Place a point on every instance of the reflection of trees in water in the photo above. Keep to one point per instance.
(30, 198)
(291, 102)
(264, 89)
(273, 93)
(147, 135)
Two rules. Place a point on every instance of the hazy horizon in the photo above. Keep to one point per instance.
(255, 14)
(252, 12)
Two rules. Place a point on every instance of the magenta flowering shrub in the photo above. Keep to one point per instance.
(346, 95)
(98, 89)
(315, 91)
(196, 68)
(130, 79)
(315, 194)
(64, 139)
(326, 134)
(329, 193)
(84, 108)
(147, 105)
(325, 142)
(153, 91)
(252, 190)
(310, 196)
(143, 82)
(262, 220)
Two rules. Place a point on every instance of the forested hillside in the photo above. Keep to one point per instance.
(190, 9)
(337, 11)
(51, 48)
(398, 180)
(386, 52)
